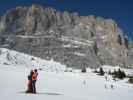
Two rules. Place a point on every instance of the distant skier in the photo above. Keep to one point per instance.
(84, 82)
(106, 76)
(105, 86)
(30, 87)
(112, 86)
(34, 79)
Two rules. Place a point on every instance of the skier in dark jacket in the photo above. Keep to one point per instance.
(30, 87)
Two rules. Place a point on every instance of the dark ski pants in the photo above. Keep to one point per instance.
(34, 86)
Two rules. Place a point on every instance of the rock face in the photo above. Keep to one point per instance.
(73, 40)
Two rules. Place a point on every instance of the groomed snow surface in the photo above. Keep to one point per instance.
(54, 83)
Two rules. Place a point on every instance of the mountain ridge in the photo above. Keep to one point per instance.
(73, 40)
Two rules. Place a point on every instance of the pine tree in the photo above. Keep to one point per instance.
(119, 74)
(130, 80)
(83, 69)
(101, 72)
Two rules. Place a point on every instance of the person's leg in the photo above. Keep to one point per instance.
(34, 86)
(31, 87)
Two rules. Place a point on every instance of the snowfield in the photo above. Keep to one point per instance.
(53, 83)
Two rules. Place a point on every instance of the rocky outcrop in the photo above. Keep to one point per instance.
(71, 39)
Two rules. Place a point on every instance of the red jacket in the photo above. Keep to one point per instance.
(34, 76)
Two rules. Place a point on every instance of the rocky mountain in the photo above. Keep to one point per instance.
(69, 38)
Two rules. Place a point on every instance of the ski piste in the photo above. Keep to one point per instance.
(56, 82)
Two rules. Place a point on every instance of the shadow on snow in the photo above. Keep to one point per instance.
(41, 93)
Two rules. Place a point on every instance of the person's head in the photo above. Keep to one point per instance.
(35, 70)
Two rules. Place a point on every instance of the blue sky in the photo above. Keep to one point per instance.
(119, 10)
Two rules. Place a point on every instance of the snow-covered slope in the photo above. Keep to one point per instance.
(13, 58)
(52, 85)
(62, 86)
